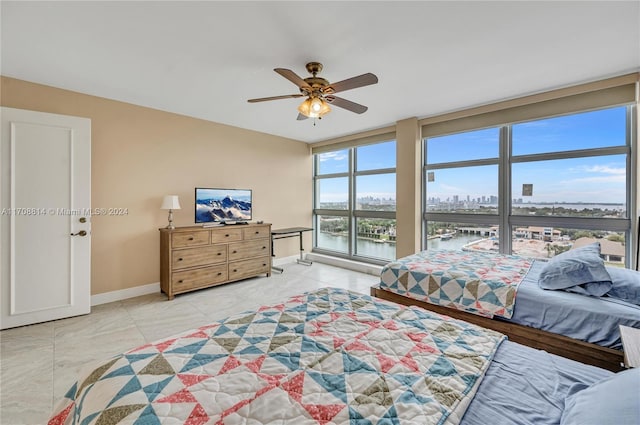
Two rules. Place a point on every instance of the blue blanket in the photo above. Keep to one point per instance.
(577, 316)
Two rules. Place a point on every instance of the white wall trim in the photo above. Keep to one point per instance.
(123, 294)
(372, 269)
(285, 260)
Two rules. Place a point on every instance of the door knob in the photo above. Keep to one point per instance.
(80, 233)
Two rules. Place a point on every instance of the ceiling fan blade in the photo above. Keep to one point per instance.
(301, 117)
(346, 104)
(264, 99)
(293, 77)
(351, 83)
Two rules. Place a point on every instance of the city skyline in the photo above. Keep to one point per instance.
(482, 200)
(493, 199)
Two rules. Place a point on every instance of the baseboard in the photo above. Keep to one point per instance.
(284, 260)
(357, 266)
(123, 294)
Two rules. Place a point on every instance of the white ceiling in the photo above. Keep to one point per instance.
(205, 59)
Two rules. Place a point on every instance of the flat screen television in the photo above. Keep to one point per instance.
(222, 205)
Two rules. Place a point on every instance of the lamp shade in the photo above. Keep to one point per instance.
(170, 202)
(314, 107)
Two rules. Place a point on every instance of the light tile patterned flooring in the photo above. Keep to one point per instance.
(39, 363)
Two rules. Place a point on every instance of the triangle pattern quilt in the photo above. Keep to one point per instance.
(325, 357)
(483, 283)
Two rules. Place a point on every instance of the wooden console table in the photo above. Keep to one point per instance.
(290, 232)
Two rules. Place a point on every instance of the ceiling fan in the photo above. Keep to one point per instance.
(320, 92)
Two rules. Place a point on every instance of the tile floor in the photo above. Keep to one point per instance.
(39, 363)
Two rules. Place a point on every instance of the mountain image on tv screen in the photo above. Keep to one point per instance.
(222, 205)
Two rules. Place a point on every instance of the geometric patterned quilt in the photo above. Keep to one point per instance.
(482, 283)
(325, 357)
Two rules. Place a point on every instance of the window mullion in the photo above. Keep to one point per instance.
(581, 153)
(462, 164)
(504, 189)
(374, 172)
(353, 231)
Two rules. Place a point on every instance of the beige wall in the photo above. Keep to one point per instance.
(141, 154)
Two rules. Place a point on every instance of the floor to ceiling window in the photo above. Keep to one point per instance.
(535, 187)
(355, 201)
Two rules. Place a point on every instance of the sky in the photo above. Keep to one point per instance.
(370, 157)
(587, 180)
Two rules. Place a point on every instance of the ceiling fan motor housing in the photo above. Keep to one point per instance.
(314, 68)
(317, 85)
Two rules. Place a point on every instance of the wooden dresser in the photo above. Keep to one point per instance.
(198, 257)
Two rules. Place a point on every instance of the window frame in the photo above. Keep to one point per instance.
(504, 219)
(351, 212)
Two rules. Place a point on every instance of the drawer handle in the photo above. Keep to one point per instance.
(264, 264)
(226, 236)
(235, 270)
(180, 281)
(219, 253)
(257, 232)
(264, 247)
(219, 273)
(191, 238)
(234, 251)
(179, 259)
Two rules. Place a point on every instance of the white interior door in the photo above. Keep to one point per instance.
(45, 217)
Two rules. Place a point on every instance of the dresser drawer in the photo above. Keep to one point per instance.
(191, 257)
(191, 279)
(185, 239)
(251, 267)
(226, 235)
(248, 249)
(256, 232)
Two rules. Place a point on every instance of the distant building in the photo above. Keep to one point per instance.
(610, 251)
(538, 233)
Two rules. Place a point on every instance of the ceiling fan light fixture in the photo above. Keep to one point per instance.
(319, 93)
(314, 107)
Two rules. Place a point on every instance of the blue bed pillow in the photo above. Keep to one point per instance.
(614, 400)
(626, 284)
(578, 270)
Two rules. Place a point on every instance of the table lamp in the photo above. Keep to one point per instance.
(170, 202)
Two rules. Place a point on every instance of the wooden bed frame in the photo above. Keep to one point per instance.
(560, 345)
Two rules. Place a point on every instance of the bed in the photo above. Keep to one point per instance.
(336, 357)
(483, 287)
